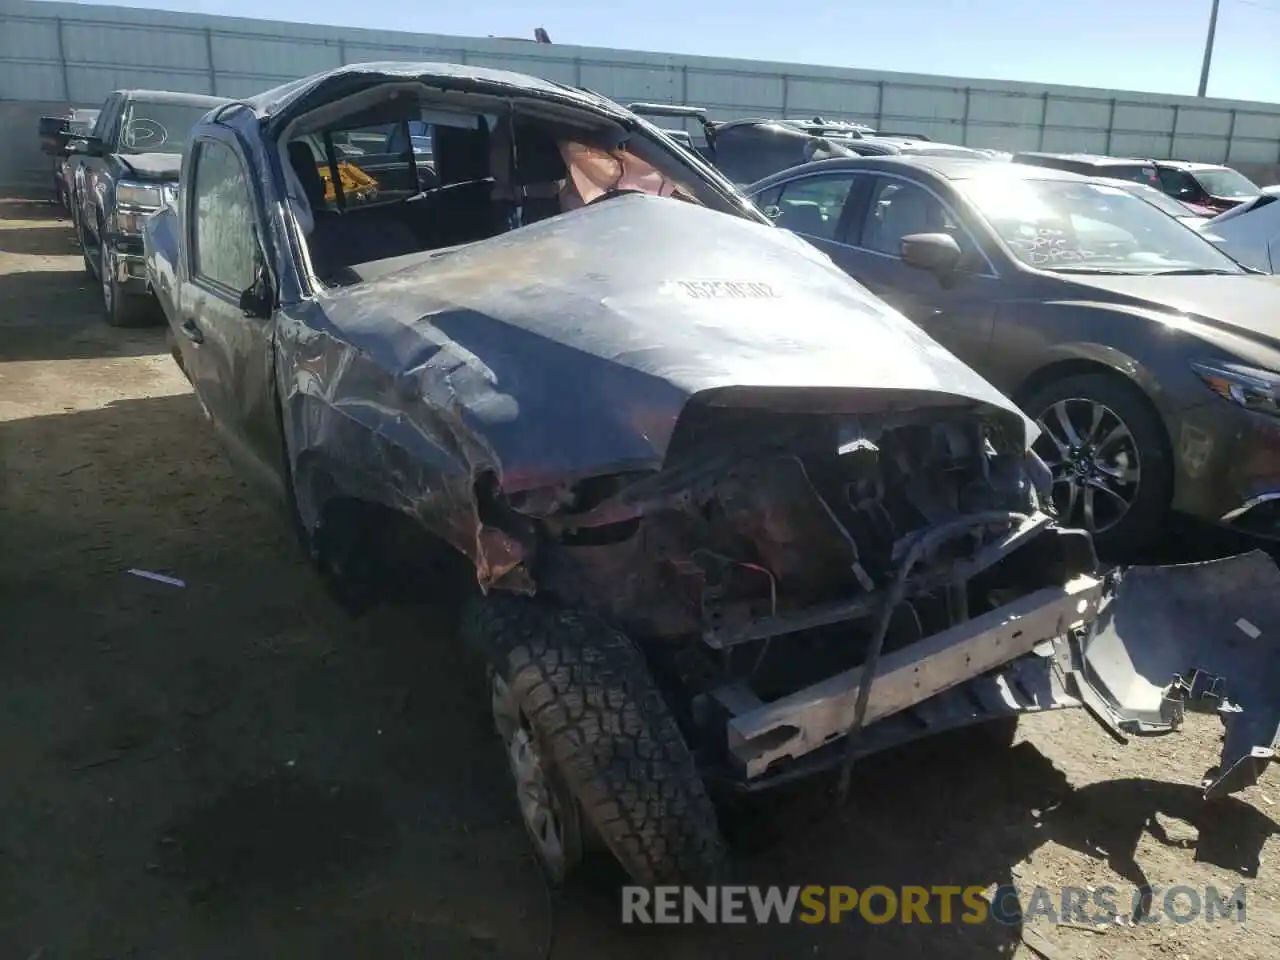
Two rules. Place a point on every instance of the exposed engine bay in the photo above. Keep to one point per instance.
(767, 547)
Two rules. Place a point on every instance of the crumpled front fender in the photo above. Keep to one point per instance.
(1200, 636)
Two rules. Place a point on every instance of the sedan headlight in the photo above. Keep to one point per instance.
(1251, 388)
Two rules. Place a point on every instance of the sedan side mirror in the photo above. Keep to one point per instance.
(936, 252)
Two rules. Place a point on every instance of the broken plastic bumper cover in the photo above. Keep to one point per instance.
(1202, 637)
(1137, 649)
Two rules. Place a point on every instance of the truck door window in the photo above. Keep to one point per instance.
(104, 128)
(223, 241)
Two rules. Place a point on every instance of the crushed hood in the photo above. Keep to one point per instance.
(152, 166)
(572, 345)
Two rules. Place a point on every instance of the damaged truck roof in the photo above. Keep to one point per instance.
(280, 104)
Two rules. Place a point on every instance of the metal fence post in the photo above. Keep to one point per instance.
(1111, 125)
(1173, 134)
(964, 121)
(1044, 119)
(62, 64)
(208, 52)
(1231, 136)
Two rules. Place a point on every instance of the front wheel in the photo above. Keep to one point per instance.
(1109, 455)
(592, 747)
(121, 309)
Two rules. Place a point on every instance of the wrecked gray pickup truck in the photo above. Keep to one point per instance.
(731, 520)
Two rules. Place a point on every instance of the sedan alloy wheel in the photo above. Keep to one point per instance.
(1095, 462)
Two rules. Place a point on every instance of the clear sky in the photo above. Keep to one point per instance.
(1151, 46)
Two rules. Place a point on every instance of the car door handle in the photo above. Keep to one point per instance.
(191, 331)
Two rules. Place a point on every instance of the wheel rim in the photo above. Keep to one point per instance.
(546, 808)
(1094, 460)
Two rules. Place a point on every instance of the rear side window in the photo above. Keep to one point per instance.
(376, 165)
(224, 244)
(1178, 184)
(1143, 173)
(813, 206)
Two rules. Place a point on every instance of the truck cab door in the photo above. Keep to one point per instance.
(226, 328)
(89, 167)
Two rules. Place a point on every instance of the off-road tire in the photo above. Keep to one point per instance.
(1149, 511)
(594, 706)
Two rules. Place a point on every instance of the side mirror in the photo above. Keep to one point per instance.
(772, 212)
(936, 252)
(93, 147)
(258, 301)
(53, 135)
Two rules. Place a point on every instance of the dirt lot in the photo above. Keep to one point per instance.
(234, 768)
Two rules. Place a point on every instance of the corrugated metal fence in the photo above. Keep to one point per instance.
(75, 54)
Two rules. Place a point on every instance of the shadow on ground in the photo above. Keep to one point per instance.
(53, 239)
(31, 209)
(234, 768)
(57, 315)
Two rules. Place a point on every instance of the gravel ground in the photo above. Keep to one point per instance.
(234, 768)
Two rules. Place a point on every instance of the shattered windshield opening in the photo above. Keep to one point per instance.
(1069, 226)
(594, 173)
(365, 193)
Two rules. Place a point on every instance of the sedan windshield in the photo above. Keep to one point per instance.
(1069, 226)
(158, 127)
(1227, 183)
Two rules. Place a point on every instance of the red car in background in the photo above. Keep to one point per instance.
(1205, 189)
(1209, 186)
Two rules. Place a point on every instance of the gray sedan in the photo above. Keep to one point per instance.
(1149, 358)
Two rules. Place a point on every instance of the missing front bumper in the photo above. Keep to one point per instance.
(762, 735)
(1137, 650)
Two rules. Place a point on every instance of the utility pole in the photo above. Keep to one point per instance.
(1208, 49)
